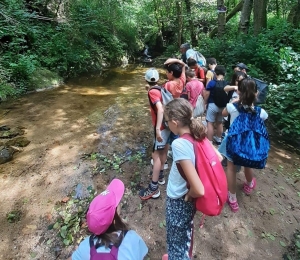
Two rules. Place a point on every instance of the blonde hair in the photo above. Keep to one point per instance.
(190, 73)
(181, 110)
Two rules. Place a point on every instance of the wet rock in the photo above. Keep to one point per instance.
(20, 141)
(6, 154)
(11, 132)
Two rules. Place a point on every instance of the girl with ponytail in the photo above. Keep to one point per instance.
(180, 208)
(247, 91)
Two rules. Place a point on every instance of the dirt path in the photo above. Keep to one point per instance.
(109, 117)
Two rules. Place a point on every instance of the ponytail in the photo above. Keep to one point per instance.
(198, 130)
(181, 110)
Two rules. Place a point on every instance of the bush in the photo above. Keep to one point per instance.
(283, 103)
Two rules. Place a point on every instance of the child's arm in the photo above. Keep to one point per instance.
(196, 187)
(205, 94)
(173, 60)
(229, 88)
(159, 119)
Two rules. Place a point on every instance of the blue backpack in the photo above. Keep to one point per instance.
(248, 140)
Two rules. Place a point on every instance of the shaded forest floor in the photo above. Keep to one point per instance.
(84, 133)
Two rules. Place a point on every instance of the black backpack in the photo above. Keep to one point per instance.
(220, 97)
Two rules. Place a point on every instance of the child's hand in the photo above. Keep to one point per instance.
(158, 136)
(187, 198)
(147, 87)
(234, 100)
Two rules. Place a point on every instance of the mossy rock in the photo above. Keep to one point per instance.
(6, 154)
(43, 79)
(20, 141)
(11, 133)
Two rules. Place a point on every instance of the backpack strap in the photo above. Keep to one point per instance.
(192, 140)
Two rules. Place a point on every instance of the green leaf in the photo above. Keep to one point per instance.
(282, 243)
(298, 244)
(66, 242)
(161, 225)
(272, 237)
(272, 211)
(56, 225)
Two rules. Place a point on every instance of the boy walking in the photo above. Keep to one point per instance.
(161, 136)
(216, 99)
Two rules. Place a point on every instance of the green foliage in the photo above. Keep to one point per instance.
(71, 217)
(283, 103)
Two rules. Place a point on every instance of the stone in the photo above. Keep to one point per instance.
(19, 141)
(6, 154)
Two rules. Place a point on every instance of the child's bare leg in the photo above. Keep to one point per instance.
(156, 165)
(219, 128)
(250, 183)
(163, 156)
(248, 174)
(231, 180)
(210, 130)
(231, 177)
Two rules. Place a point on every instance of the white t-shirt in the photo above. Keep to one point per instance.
(234, 113)
(132, 247)
(182, 150)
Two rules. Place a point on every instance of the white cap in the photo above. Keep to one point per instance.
(152, 75)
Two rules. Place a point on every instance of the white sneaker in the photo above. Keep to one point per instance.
(166, 166)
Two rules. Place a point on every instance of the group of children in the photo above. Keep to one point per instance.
(111, 237)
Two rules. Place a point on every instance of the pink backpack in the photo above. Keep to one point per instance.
(212, 175)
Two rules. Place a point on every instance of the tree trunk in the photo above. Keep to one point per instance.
(221, 20)
(245, 16)
(259, 15)
(180, 21)
(294, 17)
(191, 22)
(231, 14)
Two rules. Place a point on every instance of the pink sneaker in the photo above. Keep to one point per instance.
(165, 257)
(247, 189)
(234, 206)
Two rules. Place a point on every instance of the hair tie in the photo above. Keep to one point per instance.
(192, 118)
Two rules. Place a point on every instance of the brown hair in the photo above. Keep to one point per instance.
(248, 89)
(110, 236)
(181, 110)
(190, 73)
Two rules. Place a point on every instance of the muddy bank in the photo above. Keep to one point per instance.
(71, 126)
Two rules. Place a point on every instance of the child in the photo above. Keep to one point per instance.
(214, 110)
(111, 238)
(232, 89)
(199, 71)
(176, 75)
(194, 87)
(161, 136)
(180, 208)
(247, 91)
(210, 74)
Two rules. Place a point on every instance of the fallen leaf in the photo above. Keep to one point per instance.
(282, 243)
(66, 199)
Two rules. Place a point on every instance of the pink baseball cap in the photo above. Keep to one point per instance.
(103, 207)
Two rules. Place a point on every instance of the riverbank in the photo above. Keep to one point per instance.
(72, 126)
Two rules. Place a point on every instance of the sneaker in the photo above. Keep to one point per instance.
(166, 166)
(147, 193)
(161, 179)
(247, 189)
(217, 140)
(234, 206)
